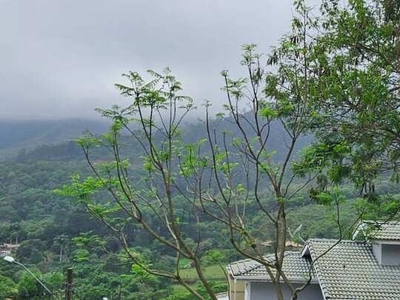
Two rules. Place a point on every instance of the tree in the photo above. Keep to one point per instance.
(8, 288)
(149, 204)
(200, 178)
(183, 183)
(355, 97)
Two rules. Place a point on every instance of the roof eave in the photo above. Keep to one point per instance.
(385, 241)
(267, 279)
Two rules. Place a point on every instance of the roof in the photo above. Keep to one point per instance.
(295, 267)
(350, 271)
(383, 230)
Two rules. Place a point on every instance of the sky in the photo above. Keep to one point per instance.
(61, 58)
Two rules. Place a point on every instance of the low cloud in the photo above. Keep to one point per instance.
(61, 58)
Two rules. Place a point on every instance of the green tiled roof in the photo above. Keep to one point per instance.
(350, 271)
(294, 266)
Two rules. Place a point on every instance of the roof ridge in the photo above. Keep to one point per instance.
(380, 222)
(334, 240)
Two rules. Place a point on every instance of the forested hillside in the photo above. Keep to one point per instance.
(55, 232)
(19, 136)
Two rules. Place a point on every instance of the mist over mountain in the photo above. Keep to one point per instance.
(18, 135)
(55, 140)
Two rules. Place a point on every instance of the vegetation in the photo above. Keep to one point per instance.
(312, 87)
(55, 233)
(178, 201)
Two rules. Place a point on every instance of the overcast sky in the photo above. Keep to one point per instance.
(61, 58)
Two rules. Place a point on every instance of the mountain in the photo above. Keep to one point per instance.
(18, 135)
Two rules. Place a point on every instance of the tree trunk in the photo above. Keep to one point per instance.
(280, 248)
(280, 234)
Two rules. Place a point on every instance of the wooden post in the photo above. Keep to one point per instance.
(68, 285)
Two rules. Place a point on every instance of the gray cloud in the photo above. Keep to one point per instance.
(60, 58)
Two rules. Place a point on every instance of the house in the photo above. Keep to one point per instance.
(248, 279)
(367, 269)
(6, 249)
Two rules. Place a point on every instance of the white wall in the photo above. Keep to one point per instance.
(377, 250)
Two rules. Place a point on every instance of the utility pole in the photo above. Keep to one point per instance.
(68, 285)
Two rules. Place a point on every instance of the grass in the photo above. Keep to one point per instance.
(214, 273)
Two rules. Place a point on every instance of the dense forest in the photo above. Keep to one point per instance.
(55, 232)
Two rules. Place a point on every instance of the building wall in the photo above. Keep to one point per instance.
(266, 291)
(236, 289)
(391, 255)
(377, 250)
